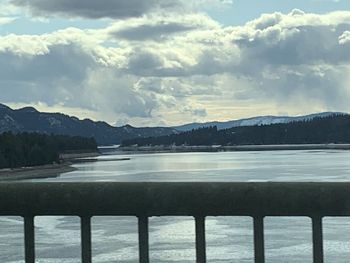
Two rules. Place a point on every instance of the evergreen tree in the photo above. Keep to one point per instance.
(31, 149)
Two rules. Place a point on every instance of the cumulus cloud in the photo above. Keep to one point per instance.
(344, 38)
(294, 57)
(186, 67)
(294, 39)
(70, 69)
(95, 9)
(75, 81)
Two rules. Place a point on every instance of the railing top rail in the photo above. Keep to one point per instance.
(177, 199)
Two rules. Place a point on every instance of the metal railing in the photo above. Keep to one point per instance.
(143, 200)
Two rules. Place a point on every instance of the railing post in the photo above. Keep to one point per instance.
(143, 239)
(86, 255)
(259, 246)
(317, 239)
(200, 239)
(29, 239)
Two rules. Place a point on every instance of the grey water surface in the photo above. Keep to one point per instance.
(230, 239)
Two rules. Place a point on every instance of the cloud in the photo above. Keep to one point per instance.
(160, 27)
(344, 38)
(8, 13)
(165, 68)
(51, 77)
(92, 9)
(66, 68)
(6, 20)
(208, 4)
(195, 112)
(156, 32)
(294, 39)
(113, 9)
(288, 58)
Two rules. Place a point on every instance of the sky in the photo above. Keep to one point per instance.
(169, 62)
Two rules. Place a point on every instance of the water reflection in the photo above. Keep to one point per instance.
(172, 239)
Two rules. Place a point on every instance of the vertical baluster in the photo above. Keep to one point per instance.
(317, 239)
(259, 247)
(86, 239)
(29, 239)
(200, 239)
(143, 240)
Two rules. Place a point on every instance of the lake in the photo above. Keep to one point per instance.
(229, 239)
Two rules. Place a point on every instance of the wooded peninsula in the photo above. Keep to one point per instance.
(34, 149)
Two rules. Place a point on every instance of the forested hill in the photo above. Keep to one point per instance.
(32, 149)
(333, 129)
(253, 121)
(28, 119)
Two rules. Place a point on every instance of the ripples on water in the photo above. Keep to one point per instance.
(229, 239)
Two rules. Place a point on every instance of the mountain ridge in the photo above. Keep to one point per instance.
(252, 121)
(334, 129)
(28, 119)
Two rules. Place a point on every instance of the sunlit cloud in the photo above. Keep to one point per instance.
(157, 68)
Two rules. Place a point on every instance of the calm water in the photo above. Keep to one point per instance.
(230, 239)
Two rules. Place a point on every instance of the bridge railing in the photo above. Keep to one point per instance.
(144, 200)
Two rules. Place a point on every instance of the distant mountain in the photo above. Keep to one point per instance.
(28, 119)
(261, 120)
(318, 130)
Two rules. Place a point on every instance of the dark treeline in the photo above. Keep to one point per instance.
(32, 149)
(334, 129)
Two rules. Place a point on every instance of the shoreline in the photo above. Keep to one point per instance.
(54, 170)
(75, 156)
(47, 170)
(238, 148)
(35, 172)
(50, 170)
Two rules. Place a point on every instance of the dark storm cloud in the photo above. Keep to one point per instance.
(95, 9)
